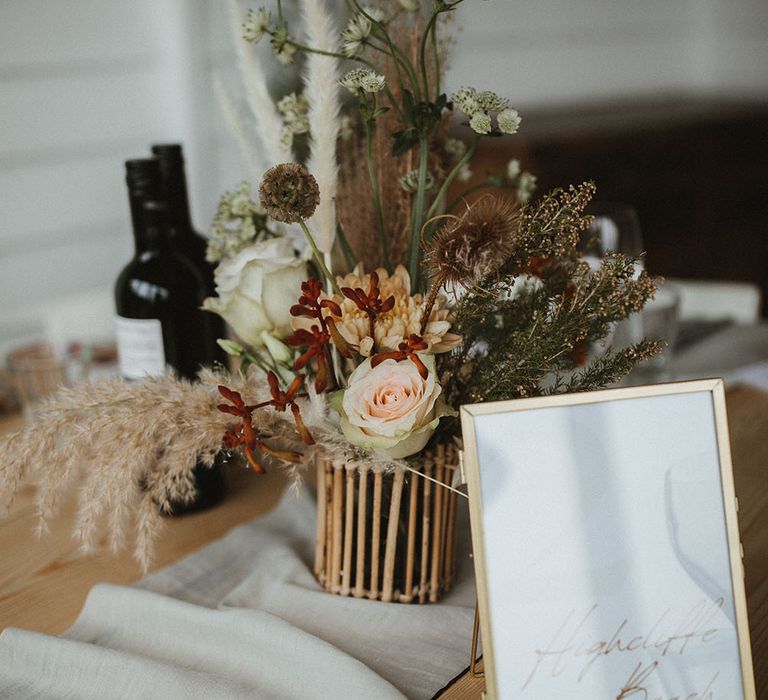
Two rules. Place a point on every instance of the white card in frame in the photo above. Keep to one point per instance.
(606, 546)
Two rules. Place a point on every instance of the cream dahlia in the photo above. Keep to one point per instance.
(391, 327)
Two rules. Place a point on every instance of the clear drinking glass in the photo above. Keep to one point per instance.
(37, 370)
(659, 320)
(615, 229)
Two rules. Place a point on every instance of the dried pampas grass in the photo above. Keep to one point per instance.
(267, 120)
(321, 88)
(132, 448)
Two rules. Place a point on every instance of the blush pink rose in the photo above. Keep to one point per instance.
(390, 408)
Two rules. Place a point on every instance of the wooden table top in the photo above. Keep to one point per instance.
(43, 583)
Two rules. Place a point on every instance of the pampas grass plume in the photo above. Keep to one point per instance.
(321, 88)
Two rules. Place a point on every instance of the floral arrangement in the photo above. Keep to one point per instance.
(369, 295)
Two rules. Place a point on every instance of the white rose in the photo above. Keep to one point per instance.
(257, 288)
(390, 408)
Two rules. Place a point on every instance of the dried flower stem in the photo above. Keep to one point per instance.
(376, 193)
(452, 176)
(319, 258)
(430, 28)
(417, 214)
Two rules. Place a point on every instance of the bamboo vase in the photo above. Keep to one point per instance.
(386, 536)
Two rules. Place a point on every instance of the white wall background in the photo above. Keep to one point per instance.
(88, 83)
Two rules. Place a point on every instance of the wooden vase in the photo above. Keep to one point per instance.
(386, 536)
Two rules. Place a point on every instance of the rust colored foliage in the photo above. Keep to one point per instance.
(311, 306)
(370, 302)
(281, 400)
(407, 350)
(246, 436)
(317, 343)
(317, 339)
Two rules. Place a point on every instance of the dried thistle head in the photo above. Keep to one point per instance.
(469, 248)
(289, 193)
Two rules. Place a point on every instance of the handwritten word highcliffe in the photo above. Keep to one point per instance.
(571, 651)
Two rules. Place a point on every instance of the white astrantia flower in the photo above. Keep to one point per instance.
(466, 100)
(509, 121)
(345, 128)
(256, 25)
(465, 173)
(352, 49)
(526, 186)
(353, 80)
(286, 137)
(285, 54)
(293, 105)
(295, 110)
(363, 79)
(491, 102)
(513, 169)
(480, 123)
(358, 28)
(409, 5)
(410, 181)
(372, 82)
(455, 148)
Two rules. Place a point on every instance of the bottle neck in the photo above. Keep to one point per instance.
(156, 229)
(176, 195)
(144, 184)
(136, 202)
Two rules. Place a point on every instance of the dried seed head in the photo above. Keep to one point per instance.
(471, 247)
(289, 193)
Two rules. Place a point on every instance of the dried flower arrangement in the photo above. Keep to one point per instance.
(472, 300)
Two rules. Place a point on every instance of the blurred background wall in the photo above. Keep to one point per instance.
(89, 83)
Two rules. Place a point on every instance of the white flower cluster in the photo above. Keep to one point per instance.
(456, 150)
(508, 121)
(282, 46)
(357, 31)
(526, 185)
(256, 25)
(238, 221)
(514, 178)
(295, 112)
(409, 5)
(363, 79)
(410, 181)
(479, 106)
(346, 130)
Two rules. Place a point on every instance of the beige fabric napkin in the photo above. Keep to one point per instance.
(244, 617)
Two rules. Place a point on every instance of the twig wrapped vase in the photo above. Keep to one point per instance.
(387, 536)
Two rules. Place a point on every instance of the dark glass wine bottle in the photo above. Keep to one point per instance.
(185, 239)
(159, 320)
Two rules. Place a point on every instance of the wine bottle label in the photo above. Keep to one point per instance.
(140, 347)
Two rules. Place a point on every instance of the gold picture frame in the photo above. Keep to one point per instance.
(470, 414)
